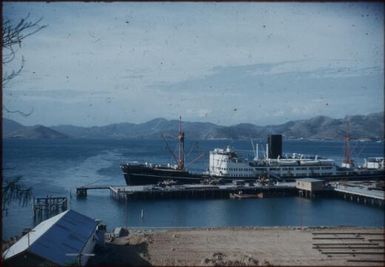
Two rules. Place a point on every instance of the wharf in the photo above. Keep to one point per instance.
(197, 191)
(360, 193)
(364, 192)
(357, 191)
(82, 191)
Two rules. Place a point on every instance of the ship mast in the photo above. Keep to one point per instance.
(181, 146)
(347, 151)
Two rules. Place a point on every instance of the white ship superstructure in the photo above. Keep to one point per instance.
(226, 163)
(376, 163)
(293, 165)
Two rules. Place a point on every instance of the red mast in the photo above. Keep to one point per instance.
(181, 146)
(347, 151)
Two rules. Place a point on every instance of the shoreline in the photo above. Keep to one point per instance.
(246, 246)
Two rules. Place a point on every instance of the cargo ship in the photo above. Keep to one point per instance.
(225, 165)
(148, 173)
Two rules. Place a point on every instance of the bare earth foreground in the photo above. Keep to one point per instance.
(246, 246)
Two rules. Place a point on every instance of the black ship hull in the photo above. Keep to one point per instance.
(145, 175)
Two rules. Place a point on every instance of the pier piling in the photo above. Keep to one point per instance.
(45, 207)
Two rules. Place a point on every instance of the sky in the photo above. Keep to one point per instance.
(226, 63)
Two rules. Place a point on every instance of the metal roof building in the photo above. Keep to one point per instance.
(54, 240)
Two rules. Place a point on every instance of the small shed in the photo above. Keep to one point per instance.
(309, 184)
(64, 239)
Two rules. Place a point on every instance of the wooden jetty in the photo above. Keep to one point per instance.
(187, 191)
(82, 191)
(308, 187)
(360, 194)
(197, 191)
(348, 190)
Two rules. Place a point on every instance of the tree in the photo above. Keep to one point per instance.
(13, 35)
(15, 190)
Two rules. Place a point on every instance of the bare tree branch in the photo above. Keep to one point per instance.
(24, 114)
(15, 190)
(13, 35)
(7, 77)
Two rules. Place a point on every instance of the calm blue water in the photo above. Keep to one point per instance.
(57, 167)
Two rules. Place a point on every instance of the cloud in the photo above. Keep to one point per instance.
(236, 78)
(166, 59)
(271, 92)
(198, 113)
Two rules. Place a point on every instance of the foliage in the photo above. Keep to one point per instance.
(13, 35)
(14, 190)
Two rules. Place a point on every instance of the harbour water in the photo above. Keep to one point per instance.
(57, 167)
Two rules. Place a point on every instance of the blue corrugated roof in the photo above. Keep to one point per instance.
(68, 234)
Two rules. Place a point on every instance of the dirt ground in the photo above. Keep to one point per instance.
(335, 246)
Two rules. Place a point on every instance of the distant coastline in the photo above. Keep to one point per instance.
(362, 128)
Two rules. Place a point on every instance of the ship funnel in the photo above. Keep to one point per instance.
(275, 145)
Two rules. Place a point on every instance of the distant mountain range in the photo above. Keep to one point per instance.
(363, 127)
(12, 129)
